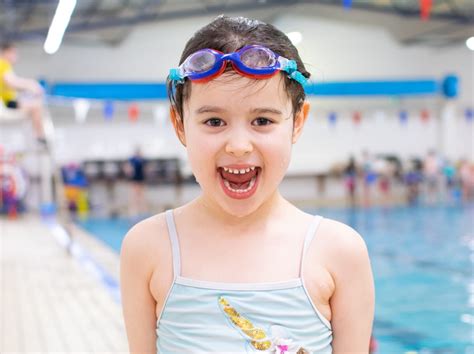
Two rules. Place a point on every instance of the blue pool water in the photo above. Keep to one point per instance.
(422, 259)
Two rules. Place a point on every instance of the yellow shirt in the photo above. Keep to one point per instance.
(6, 92)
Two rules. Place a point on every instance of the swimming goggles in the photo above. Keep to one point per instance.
(254, 61)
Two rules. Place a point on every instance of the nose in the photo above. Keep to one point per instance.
(239, 144)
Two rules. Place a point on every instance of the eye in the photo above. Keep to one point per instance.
(214, 122)
(261, 121)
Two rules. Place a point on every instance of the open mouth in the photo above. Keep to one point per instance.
(239, 183)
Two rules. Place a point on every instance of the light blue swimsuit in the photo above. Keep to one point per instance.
(273, 317)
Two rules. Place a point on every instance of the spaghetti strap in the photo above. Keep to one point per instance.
(174, 243)
(308, 238)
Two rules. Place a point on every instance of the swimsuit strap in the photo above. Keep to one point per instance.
(308, 238)
(174, 243)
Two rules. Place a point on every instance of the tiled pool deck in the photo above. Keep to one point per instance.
(52, 301)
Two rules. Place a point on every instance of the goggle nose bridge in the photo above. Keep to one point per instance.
(234, 58)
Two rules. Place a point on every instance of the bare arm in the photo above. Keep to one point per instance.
(137, 301)
(23, 84)
(352, 303)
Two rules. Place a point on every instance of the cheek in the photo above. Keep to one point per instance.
(201, 155)
(277, 149)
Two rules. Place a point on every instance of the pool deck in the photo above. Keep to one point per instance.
(52, 301)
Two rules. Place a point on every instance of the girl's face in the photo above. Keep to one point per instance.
(238, 134)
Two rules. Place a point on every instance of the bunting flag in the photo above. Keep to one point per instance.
(425, 9)
(356, 117)
(403, 117)
(108, 110)
(332, 118)
(133, 112)
(469, 114)
(81, 108)
(425, 115)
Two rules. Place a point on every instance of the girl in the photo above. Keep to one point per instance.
(239, 269)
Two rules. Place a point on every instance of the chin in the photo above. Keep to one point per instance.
(240, 211)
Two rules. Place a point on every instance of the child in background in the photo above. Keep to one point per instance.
(240, 269)
(136, 173)
(369, 178)
(350, 179)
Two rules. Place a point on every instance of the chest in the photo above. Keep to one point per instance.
(251, 260)
(275, 260)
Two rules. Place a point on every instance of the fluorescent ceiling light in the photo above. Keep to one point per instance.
(470, 43)
(58, 25)
(295, 37)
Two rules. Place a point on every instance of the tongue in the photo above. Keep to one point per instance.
(238, 179)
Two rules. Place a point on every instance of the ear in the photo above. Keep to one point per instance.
(178, 125)
(300, 119)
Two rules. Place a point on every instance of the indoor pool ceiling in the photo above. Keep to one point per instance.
(108, 22)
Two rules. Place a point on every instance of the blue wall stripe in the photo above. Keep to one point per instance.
(144, 91)
(375, 88)
(112, 91)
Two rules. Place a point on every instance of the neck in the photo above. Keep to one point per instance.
(270, 209)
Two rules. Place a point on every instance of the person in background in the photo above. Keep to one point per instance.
(413, 179)
(350, 175)
(137, 178)
(31, 99)
(466, 174)
(369, 178)
(431, 169)
(386, 174)
(449, 174)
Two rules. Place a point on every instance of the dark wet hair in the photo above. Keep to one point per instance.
(5, 45)
(229, 34)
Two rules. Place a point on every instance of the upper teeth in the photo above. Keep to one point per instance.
(237, 171)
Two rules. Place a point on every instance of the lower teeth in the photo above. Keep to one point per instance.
(251, 184)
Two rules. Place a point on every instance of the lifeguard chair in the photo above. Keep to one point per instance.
(50, 181)
(8, 115)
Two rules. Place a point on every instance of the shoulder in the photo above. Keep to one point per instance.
(344, 248)
(146, 242)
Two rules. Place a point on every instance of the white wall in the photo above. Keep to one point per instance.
(331, 50)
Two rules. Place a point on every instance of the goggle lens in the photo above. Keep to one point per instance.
(257, 57)
(200, 62)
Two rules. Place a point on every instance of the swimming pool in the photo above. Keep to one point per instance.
(422, 258)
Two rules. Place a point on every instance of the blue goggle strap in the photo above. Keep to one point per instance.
(291, 68)
(177, 75)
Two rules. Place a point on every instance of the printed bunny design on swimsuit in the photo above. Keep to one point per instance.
(276, 342)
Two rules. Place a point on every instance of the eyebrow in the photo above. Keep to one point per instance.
(215, 109)
(207, 109)
(263, 110)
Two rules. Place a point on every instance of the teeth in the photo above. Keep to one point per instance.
(251, 184)
(237, 172)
